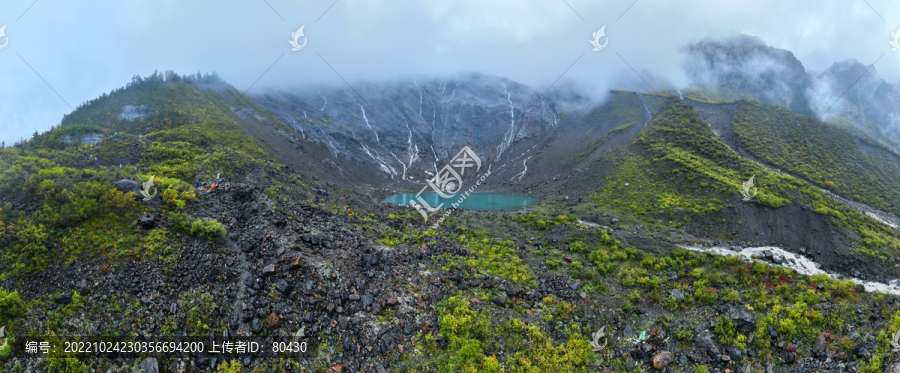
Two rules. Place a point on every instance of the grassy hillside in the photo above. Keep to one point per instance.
(63, 203)
(677, 168)
(828, 156)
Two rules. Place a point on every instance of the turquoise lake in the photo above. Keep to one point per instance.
(475, 201)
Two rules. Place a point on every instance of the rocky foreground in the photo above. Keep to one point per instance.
(366, 304)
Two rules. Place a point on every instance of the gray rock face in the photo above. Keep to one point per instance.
(256, 325)
(130, 186)
(367, 299)
(705, 342)
(83, 140)
(148, 221)
(424, 121)
(148, 365)
(819, 349)
(677, 294)
(64, 298)
(131, 112)
(284, 287)
(742, 317)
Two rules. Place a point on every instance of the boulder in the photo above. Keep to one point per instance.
(742, 317)
(662, 360)
(64, 298)
(82, 287)
(130, 186)
(819, 349)
(148, 365)
(148, 221)
(284, 287)
(704, 341)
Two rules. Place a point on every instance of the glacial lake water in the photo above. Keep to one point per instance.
(475, 201)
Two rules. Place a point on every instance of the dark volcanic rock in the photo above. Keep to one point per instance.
(130, 186)
(284, 287)
(734, 353)
(148, 365)
(772, 332)
(864, 349)
(82, 287)
(705, 342)
(500, 301)
(819, 349)
(64, 298)
(789, 357)
(742, 317)
(367, 299)
(242, 194)
(148, 221)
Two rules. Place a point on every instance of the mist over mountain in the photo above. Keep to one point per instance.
(847, 93)
(414, 126)
(872, 104)
(744, 66)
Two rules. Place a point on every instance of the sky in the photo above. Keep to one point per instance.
(60, 53)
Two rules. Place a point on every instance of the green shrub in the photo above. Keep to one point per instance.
(671, 303)
(725, 331)
(730, 294)
(188, 195)
(11, 306)
(208, 227)
(703, 294)
(179, 222)
(599, 257)
(684, 334)
(230, 367)
(466, 330)
(199, 307)
(28, 252)
(635, 296)
(169, 196)
(577, 247)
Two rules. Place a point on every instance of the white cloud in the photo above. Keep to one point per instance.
(86, 48)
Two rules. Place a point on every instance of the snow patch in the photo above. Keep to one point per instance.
(797, 262)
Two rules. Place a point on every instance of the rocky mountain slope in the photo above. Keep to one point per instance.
(292, 238)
